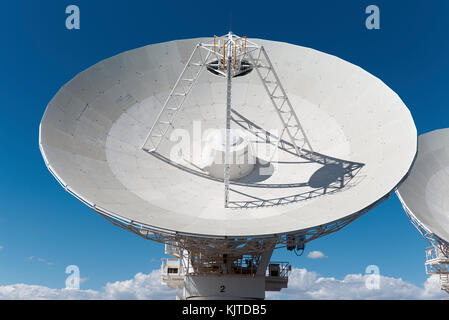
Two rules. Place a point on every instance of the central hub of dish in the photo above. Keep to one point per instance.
(241, 160)
(242, 69)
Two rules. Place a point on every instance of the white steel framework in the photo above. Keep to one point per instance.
(227, 168)
(230, 56)
(281, 102)
(437, 255)
(438, 263)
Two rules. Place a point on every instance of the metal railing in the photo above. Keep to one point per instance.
(278, 269)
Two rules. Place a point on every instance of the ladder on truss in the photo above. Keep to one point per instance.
(183, 86)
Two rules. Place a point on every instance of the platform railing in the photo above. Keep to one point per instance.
(279, 269)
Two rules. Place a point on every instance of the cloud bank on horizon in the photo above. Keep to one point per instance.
(303, 285)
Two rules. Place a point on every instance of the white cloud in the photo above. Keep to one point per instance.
(40, 260)
(142, 286)
(33, 292)
(303, 284)
(1, 247)
(316, 255)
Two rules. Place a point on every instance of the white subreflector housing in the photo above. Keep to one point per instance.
(241, 158)
(126, 137)
(425, 198)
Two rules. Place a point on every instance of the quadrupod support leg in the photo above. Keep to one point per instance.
(281, 103)
(175, 100)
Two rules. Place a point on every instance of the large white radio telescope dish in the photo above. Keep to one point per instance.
(363, 138)
(225, 149)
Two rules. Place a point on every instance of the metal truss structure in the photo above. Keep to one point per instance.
(349, 168)
(230, 56)
(213, 245)
(227, 168)
(281, 102)
(438, 263)
(437, 255)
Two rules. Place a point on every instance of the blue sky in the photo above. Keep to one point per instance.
(38, 55)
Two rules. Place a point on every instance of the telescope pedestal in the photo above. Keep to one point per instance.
(224, 287)
(230, 276)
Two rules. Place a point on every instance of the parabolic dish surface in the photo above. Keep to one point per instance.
(93, 129)
(425, 192)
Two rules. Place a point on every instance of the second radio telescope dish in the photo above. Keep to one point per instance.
(425, 193)
(362, 134)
